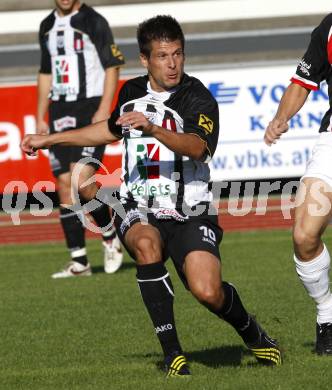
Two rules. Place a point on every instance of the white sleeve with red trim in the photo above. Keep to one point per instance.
(315, 65)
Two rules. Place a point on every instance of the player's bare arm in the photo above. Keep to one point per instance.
(44, 87)
(184, 144)
(291, 102)
(93, 135)
(110, 85)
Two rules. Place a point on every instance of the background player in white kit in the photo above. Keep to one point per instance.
(314, 196)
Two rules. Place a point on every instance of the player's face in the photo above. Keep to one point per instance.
(66, 7)
(165, 64)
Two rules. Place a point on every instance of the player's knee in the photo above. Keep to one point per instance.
(87, 193)
(304, 238)
(146, 249)
(305, 242)
(209, 296)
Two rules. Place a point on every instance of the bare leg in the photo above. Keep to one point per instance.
(311, 257)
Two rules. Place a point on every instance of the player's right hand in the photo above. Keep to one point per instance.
(32, 142)
(42, 128)
(274, 131)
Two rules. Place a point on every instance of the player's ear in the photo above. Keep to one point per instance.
(144, 60)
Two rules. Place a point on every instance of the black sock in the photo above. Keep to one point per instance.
(157, 293)
(74, 234)
(102, 217)
(236, 315)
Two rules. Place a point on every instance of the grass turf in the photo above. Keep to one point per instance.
(94, 333)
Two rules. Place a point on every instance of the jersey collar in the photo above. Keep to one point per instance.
(160, 96)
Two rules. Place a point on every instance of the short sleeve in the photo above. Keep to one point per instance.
(314, 66)
(45, 58)
(112, 127)
(102, 37)
(201, 117)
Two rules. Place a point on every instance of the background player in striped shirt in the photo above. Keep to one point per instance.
(78, 77)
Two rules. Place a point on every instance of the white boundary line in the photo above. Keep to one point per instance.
(184, 11)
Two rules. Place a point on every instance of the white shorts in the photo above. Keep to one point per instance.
(320, 163)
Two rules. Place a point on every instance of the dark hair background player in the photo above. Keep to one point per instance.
(77, 80)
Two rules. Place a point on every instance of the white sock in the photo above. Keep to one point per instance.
(314, 275)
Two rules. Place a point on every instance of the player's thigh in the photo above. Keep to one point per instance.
(139, 234)
(144, 241)
(70, 116)
(83, 111)
(61, 118)
(313, 207)
(59, 159)
(199, 235)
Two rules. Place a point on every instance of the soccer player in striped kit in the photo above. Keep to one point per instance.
(169, 122)
(78, 76)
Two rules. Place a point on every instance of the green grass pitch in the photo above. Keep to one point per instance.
(94, 333)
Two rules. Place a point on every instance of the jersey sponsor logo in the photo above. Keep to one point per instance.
(206, 123)
(150, 190)
(151, 116)
(170, 214)
(62, 71)
(64, 123)
(147, 157)
(304, 67)
(116, 52)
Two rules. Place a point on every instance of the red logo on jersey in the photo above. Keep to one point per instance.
(62, 72)
(153, 156)
(148, 161)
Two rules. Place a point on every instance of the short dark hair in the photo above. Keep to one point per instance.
(158, 28)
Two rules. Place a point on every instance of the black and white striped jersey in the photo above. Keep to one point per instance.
(153, 175)
(76, 49)
(315, 66)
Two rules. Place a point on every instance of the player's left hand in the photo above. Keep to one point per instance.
(135, 120)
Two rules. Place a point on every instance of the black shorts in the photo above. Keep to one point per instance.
(197, 233)
(68, 116)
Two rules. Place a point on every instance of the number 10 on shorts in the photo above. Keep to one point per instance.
(208, 233)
